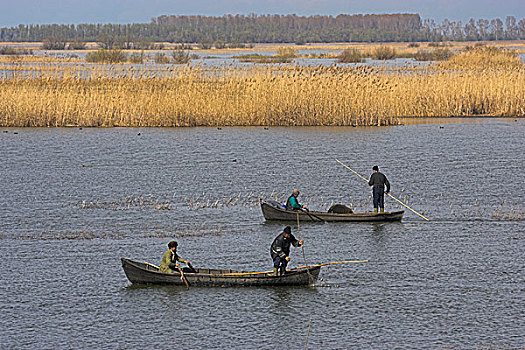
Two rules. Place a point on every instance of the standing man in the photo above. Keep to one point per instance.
(171, 259)
(378, 181)
(280, 250)
(292, 203)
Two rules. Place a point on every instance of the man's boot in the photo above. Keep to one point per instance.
(274, 273)
(375, 210)
(282, 271)
(382, 210)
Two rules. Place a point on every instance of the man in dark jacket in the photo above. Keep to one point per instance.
(280, 250)
(378, 181)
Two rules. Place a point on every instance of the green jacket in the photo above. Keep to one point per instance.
(292, 203)
(169, 262)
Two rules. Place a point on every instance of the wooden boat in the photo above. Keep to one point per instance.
(275, 211)
(146, 273)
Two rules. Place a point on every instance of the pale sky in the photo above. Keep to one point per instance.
(14, 12)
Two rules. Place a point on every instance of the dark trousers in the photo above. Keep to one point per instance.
(379, 196)
(279, 262)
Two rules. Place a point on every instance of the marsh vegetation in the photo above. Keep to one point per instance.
(478, 81)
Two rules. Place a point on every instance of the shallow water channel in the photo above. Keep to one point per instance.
(73, 201)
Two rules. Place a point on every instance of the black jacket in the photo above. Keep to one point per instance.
(379, 179)
(281, 246)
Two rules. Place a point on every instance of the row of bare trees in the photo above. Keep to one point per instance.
(234, 30)
(481, 29)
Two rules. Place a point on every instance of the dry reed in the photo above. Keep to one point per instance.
(484, 57)
(269, 95)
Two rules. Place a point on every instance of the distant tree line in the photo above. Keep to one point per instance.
(236, 29)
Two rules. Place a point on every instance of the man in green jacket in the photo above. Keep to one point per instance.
(170, 259)
(292, 203)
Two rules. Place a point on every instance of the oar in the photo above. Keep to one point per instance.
(415, 212)
(192, 268)
(312, 216)
(182, 277)
(310, 278)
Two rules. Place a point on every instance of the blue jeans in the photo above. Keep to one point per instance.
(279, 262)
(379, 196)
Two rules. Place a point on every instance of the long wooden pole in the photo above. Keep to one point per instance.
(331, 263)
(295, 268)
(310, 278)
(152, 265)
(244, 273)
(394, 198)
(308, 334)
(263, 272)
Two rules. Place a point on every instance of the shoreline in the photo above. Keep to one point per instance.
(403, 122)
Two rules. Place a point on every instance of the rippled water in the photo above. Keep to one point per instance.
(218, 62)
(73, 201)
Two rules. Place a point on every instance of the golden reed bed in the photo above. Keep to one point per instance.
(263, 95)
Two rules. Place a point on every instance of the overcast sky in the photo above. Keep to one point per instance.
(14, 12)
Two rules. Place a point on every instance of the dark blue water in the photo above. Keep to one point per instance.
(72, 202)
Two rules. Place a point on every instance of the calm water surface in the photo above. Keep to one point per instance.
(72, 202)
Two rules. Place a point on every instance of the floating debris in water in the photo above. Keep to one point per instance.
(249, 199)
(192, 231)
(252, 199)
(200, 231)
(510, 214)
(66, 235)
(129, 202)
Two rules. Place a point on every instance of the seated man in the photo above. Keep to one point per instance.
(170, 259)
(292, 203)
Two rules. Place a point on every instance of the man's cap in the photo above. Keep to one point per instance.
(376, 168)
(296, 191)
(287, 229)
